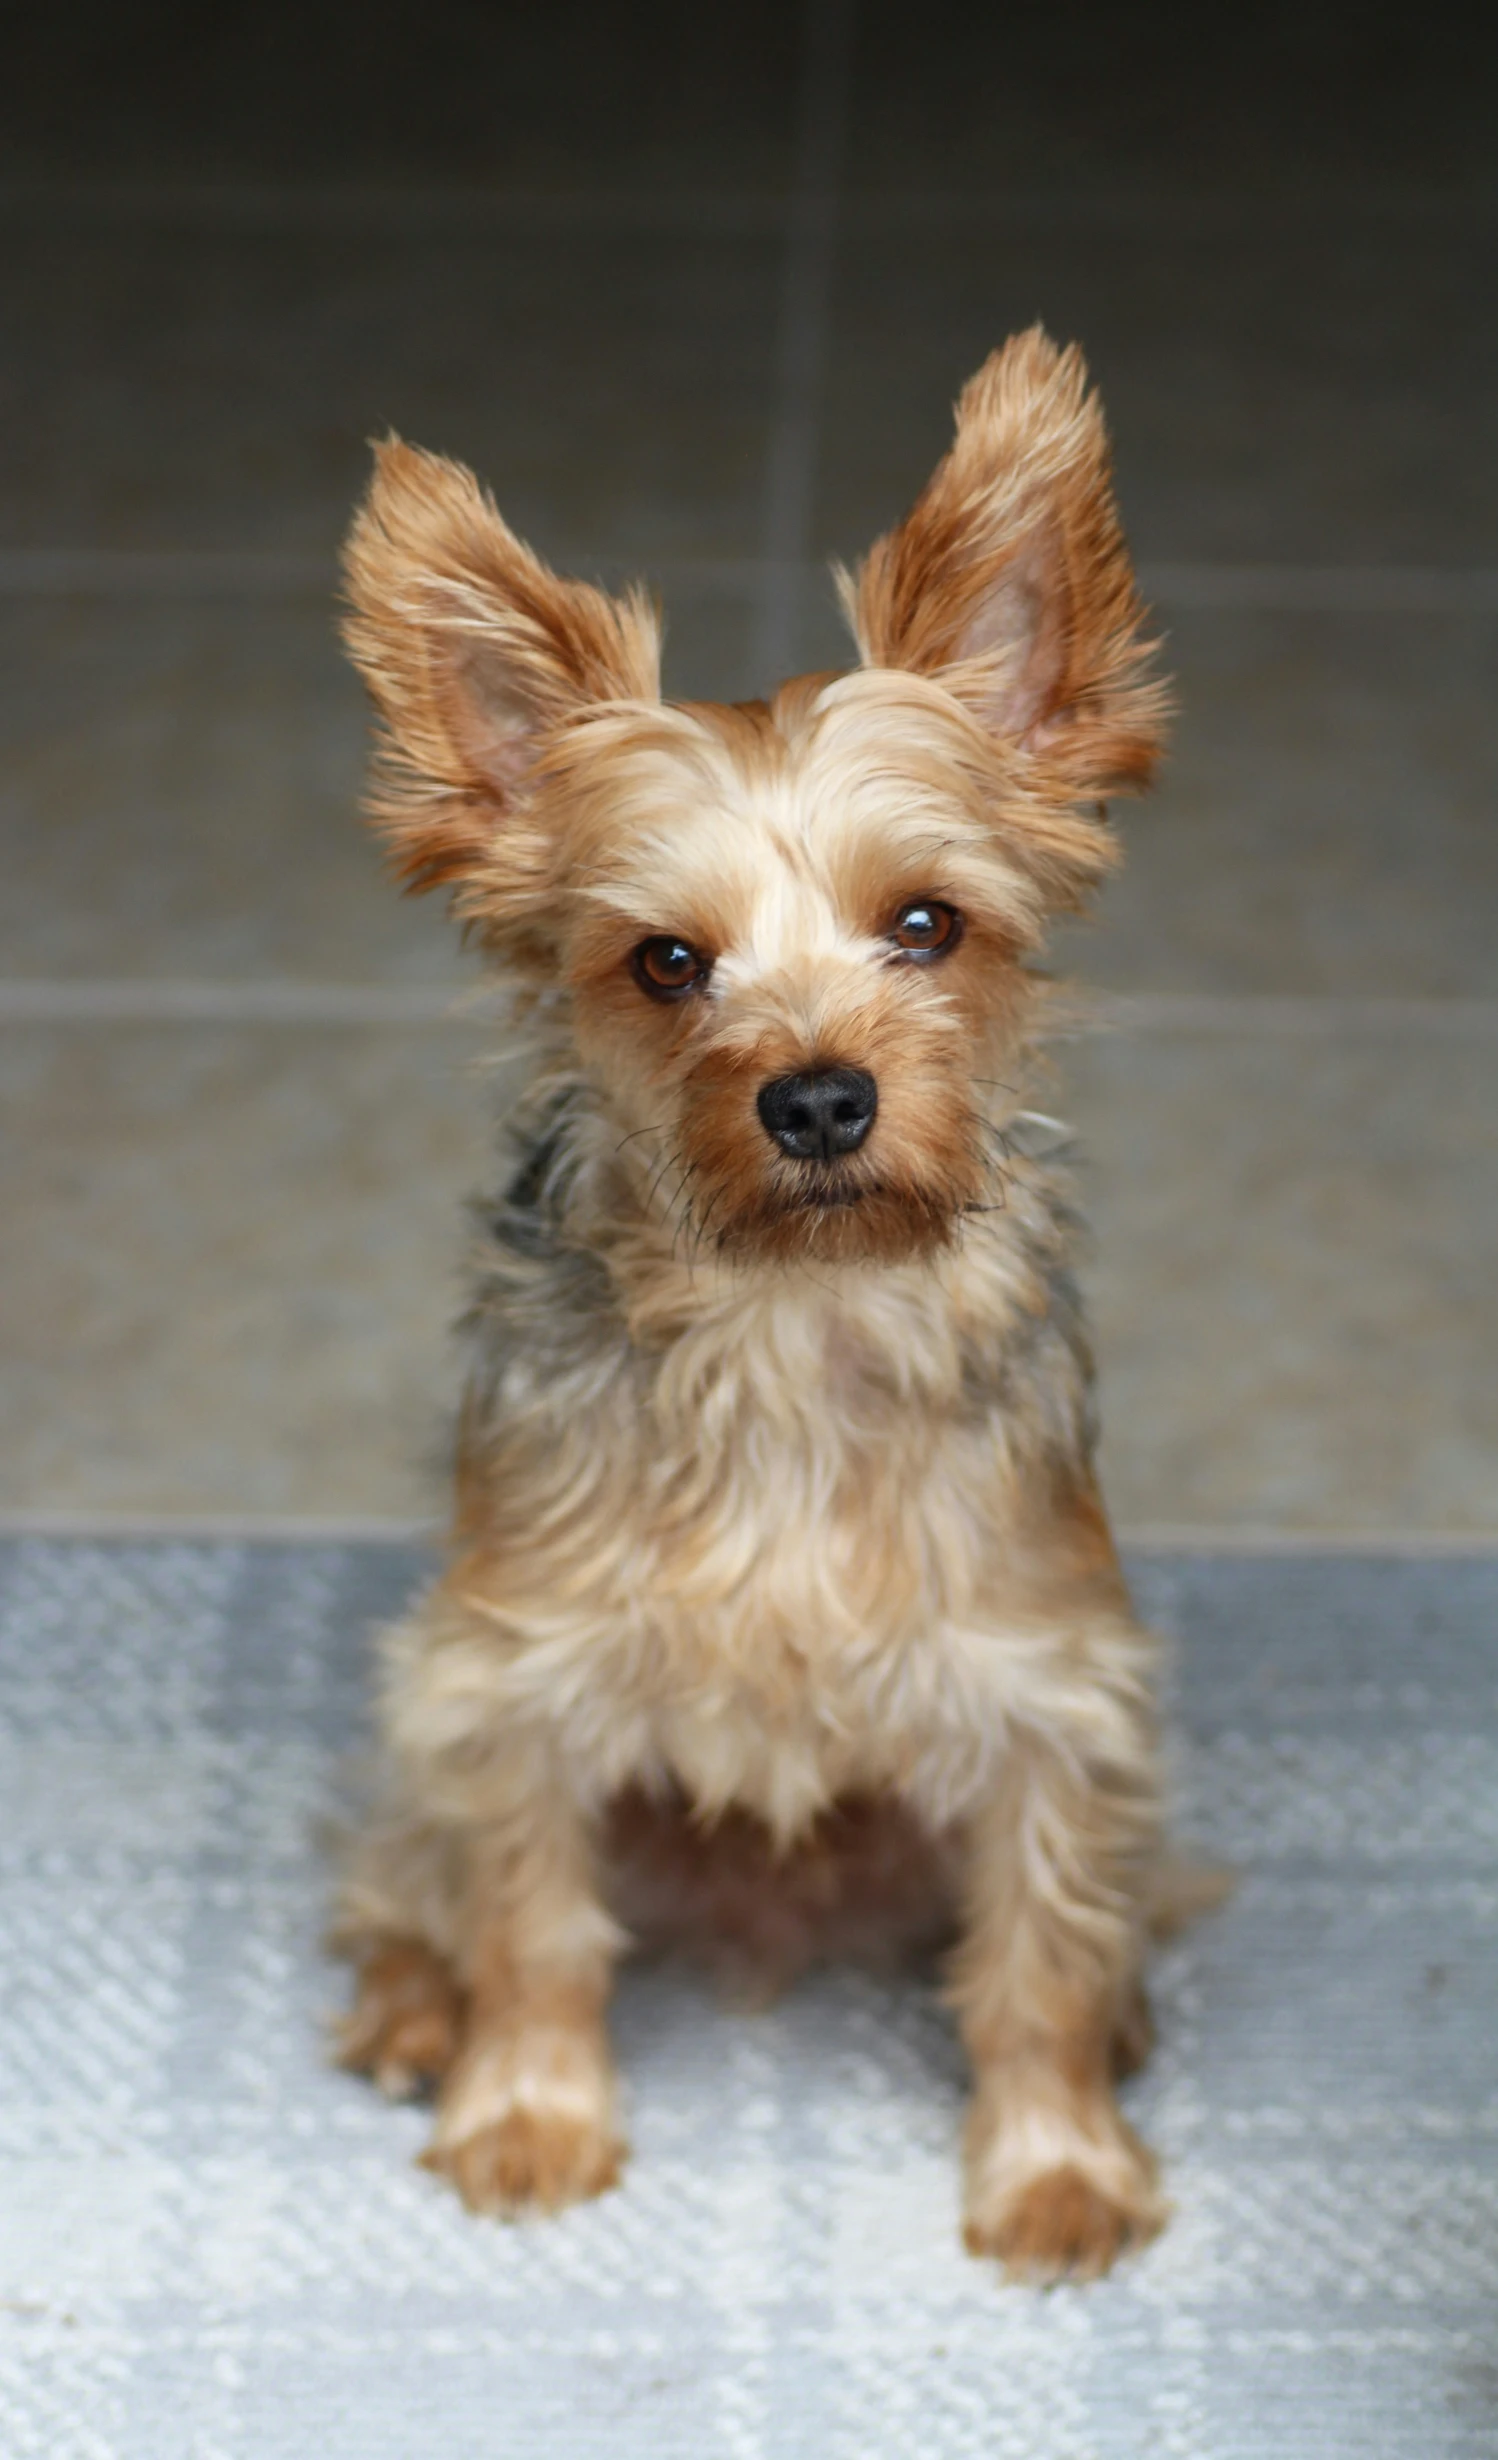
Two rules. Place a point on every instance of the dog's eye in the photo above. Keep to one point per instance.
(667, 967)
(927, 928)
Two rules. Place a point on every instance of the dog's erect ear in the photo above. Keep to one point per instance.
(475, 654)
(1009, 582)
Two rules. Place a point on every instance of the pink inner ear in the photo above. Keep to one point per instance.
(1019, 627)
(491, 723)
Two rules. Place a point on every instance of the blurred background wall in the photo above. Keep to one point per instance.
(693, 288)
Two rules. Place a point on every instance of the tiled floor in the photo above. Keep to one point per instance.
(694, 292)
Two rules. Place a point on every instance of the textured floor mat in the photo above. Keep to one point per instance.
(213, 2248)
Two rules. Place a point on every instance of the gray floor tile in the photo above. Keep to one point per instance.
(178, 788)
(216, 389)
(1296, 1245)
(502, 96)
(1170, 95)
(231, 1256)
(1325, 821)
(818, 636)
(1311, 390)
(179, 782)
(231, 1260)
(709, 632)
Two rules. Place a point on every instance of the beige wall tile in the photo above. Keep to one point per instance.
(231, 1256)
(179, 787)
(1314, 391)
(231, 1260)
(1168, 97)
(201, 386)
(1296, 1247)
(1325, 820)
(489, 97)
(180, 783)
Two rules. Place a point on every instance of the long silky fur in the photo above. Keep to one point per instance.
(780, 1591)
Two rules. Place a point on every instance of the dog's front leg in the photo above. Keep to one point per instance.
(527, 2115)
(1046, 1986)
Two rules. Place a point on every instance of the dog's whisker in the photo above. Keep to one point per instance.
(659, 1129)
(672, 1161)
(681, 1207)
(705, 1222)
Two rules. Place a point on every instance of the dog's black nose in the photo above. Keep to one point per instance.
(816, 1117)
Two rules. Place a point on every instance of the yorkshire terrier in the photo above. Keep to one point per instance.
(780, 1599)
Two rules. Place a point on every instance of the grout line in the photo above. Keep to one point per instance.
(94, 1000)
(249, 208)
(414, 208)
(169, 1002)
(1251, 1538)
(1170, 1537)
(775, 580)
(1306, 1017)
(168, 572)
(1328, 206)
(791, 468)
(225, 1528)
(192, 572)
(1324, 589)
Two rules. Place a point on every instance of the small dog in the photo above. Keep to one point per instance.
(781, 1601)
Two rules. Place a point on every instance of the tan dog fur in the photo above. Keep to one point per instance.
(780, 1592)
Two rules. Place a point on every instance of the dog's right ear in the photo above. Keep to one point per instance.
(475, 655)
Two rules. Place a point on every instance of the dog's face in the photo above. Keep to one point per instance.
(792, 935)
(793, 942)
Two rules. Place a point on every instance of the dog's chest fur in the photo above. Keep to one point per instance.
(789, 1507)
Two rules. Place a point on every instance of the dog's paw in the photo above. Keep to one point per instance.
(406, 2021)
(530, 2160)
(1063, 2226)
(527, 2121)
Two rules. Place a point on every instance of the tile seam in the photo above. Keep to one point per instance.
(801, 343)
(415, 207)
(98, 1000)
(771, 582)
(102, 1000)
(222, 1528)
(1249, 1538)
(1285, 1016)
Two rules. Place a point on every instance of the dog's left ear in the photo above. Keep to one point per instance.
(1009, 581)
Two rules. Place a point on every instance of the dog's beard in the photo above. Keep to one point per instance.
(832, 1218)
